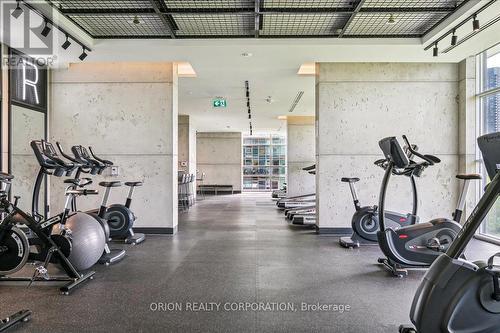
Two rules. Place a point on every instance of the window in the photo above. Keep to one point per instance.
(264, 163)
(489, 107)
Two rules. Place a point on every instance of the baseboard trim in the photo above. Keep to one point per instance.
(156, 230)
(336, 231)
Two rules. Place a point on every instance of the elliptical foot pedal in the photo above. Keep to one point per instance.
(348, 243)
(135, 239)
(112, 257)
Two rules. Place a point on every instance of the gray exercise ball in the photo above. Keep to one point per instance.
(87, 238)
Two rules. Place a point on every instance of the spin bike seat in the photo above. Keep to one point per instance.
(349, 180)
(115, 183)
(133, 184)
(467, 176)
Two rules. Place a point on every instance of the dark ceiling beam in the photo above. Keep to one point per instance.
(351, 18)
(257, 18)
(261, 11)
(163, 18)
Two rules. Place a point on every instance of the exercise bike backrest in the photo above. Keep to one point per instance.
(48, 159)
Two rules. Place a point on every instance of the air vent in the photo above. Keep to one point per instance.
(296, 101)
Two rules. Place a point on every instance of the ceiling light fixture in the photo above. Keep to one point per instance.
(454, 38)
(391, 20)
(66, 44)
(475, 23)
(136, 20)
(83, 55)
(46, 29)
(435, 50)
(18, 11)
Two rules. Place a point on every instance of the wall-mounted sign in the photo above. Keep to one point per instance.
(28, 82)
(219, 102)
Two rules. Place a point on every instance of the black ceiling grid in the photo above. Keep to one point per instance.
(257, 18)
(247, 95)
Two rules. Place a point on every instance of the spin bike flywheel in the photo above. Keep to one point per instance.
(14, 251)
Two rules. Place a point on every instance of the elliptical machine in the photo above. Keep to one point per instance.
(414, 246)
(365, 221)
(457, 295)
(19, 317)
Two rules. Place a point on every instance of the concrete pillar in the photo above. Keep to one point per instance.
(128, 113)
(360, 103)
(219, 156)
(301, 153)
(467, 144)
(187, 146)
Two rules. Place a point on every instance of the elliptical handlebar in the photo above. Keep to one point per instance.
(430, 159)
(105, 162)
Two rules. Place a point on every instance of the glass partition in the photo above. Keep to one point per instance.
(488, 96)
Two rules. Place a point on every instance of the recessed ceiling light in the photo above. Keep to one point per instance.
(391, 20)
(246, 54)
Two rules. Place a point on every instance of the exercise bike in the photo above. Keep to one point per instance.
(11, 321)
(120, 217)
(365, 221)
(418, 245)
(15, 247)
(109, 255)
(457, 295)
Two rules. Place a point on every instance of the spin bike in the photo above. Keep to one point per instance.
(54, 248)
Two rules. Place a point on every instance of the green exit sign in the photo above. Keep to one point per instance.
(219, 103)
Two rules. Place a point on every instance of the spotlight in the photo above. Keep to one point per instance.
(435, 50)
(66, 44)
(475, 23)
(83, 55)
(136, 20)
(18, 11)
(391, 20)
(46, 30)
(454, 39)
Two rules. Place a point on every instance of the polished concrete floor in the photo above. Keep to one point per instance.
(229, 250)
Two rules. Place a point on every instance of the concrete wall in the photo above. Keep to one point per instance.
(360, 103)
(27, 125)
(301, 153)
(218, 155)
(128, 113)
